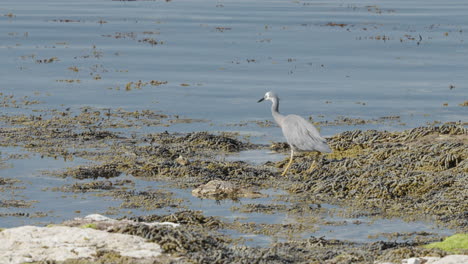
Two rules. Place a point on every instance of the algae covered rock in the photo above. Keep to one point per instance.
(457, 243)
(224, 189)
(408, 174)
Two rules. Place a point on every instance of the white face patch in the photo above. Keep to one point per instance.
(269, 95)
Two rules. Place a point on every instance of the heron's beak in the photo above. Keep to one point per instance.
(263, 98)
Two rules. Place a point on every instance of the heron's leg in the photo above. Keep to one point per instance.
(289, 164)
(314, 164)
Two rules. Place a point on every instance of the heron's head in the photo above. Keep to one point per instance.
(269, 96)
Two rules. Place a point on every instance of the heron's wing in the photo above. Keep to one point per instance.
(302, 135)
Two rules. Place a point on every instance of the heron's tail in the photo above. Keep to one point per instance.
(324, 148)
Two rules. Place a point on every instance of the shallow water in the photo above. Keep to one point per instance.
(231, 52)
(54, 206)
(398, 58)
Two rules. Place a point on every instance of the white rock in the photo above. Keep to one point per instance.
(430, 260)
(101, 218)
(98, 217)
(161, 223)
(31, 243)
(104, 221)
(453, 259)
(413, 261)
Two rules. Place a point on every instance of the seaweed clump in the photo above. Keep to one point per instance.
(419, 172)
(94, 186)
(146, 200)
(202, 141)
(106, 171)
(185, 217)
(178, 241)
(198, 245)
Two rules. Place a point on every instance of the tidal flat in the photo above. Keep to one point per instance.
(145, 111)
(414, 176)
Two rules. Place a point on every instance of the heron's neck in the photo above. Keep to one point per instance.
(274, 111)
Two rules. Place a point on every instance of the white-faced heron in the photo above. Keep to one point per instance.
(300, 134)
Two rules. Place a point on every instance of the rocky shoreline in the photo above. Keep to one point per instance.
(417, 174)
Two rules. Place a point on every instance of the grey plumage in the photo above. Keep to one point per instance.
(300, 134)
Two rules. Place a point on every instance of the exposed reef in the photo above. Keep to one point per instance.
(417, 174)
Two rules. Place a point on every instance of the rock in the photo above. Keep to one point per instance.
(182, 161)
(101, 222)
(77, 238)
(414, 261)
(97, 217)
(453, 259)
(224, 189)
(430, 260)
(58, 243)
